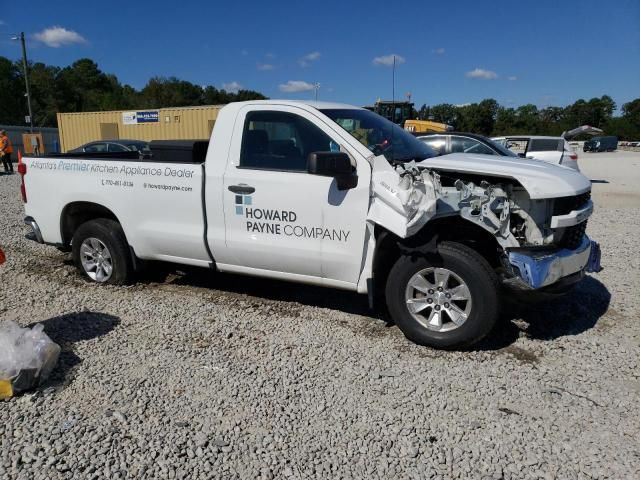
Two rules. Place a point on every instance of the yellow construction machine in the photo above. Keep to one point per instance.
(402, 113)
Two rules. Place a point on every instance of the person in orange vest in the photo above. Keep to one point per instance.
(6, 149)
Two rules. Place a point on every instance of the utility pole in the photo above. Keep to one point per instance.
(393, 93)
(26, 76)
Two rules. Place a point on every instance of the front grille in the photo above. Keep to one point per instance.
(564, 205)
(572, 236)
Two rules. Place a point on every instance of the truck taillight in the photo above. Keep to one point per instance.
(22, 170)
(573, 156)
(2, 257)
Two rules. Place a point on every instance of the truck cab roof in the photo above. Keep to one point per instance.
(298, 103)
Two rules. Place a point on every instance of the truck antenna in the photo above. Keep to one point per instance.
(393, 91)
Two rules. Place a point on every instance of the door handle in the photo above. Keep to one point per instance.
(242, 189)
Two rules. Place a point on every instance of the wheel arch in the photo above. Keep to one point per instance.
(75, 214)
(389, 247)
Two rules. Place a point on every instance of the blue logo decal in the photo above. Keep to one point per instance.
(242, 200)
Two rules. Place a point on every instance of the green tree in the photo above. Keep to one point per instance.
(170, 92)
(13, 105)
(444, 113)
(244, 95)
(424, 113)
(505, 121)
(526, 121)
(600, 110)
(45, 97)
(627, 126)
(631, 113)
(84, 87)
(478, 117)
(551, 121)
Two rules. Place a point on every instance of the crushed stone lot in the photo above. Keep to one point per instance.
(192, 375)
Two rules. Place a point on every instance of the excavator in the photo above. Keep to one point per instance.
(402, 113)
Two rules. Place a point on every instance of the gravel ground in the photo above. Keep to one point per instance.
(183, 375)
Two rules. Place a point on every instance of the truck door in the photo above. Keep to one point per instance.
(280, 219)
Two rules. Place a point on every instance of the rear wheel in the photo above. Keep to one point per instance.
(446, 300)
(101, 252)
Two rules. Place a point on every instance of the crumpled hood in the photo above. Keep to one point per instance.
(540, 179)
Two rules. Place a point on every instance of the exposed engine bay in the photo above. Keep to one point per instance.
(535, 235)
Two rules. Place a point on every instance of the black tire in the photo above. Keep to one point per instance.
(473, 270)
(110, 233)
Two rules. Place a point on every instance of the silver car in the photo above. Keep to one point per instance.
(549, 149)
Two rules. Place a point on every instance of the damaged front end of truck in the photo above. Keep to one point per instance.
(537, 214)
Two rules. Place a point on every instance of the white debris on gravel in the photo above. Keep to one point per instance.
(180, 376)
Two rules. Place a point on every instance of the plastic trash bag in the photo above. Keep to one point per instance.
(27, 357)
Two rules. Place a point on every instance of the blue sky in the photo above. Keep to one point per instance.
(541, 52)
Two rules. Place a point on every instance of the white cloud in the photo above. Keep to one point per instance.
(387, 60)
(309, 58)
(58, 36)
(460, 105)
(482, 74)
(293, 86)
(312, 56)
(512, 78)
(232, 87)
(265, 66)
(438, 51)
(2, 22)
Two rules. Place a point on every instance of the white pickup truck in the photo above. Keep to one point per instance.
(325, 194)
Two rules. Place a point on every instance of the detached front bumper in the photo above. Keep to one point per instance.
(535, 270)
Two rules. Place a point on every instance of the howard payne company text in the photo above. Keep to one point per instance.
(283, 222)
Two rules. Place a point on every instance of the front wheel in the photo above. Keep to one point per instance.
(446, 300)
(101, 252)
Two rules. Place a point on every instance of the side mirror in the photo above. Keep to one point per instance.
(333, 164)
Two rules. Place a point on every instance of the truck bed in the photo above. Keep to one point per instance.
(156, 197)
(172, 151)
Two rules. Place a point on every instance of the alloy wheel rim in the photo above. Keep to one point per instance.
(438, 299)
(96, 260)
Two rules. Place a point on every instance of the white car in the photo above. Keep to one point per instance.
(325, 194)
(549, 149)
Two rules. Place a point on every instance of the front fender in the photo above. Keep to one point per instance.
(402, 204)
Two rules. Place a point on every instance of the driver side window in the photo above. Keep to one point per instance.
(280, 141)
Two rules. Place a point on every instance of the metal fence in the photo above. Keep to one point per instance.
(49, 135)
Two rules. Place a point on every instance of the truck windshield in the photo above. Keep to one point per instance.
(380, 135)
